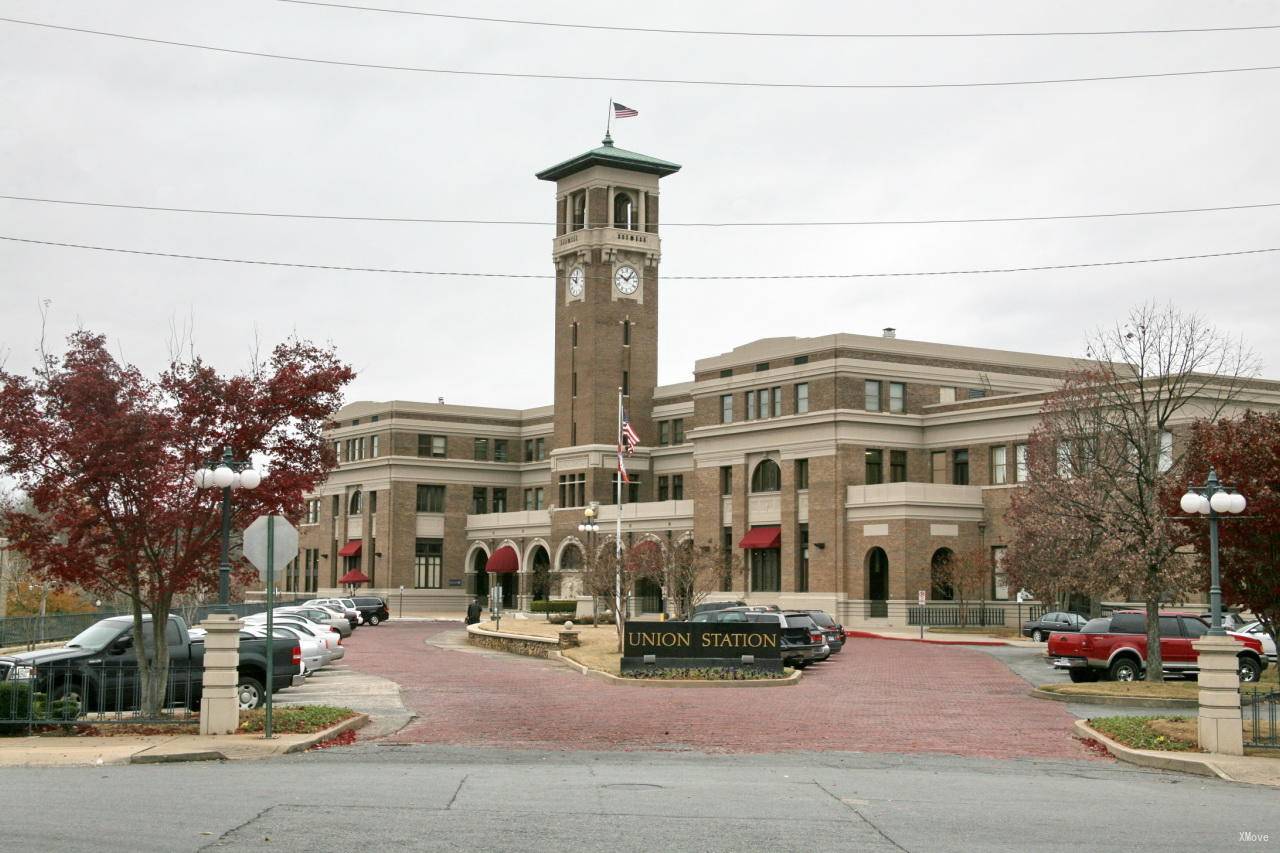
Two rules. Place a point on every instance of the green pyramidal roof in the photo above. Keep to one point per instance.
(609, 155)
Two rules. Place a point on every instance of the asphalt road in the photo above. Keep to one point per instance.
(446, 798)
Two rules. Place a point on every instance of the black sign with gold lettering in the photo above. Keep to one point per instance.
(688, 645)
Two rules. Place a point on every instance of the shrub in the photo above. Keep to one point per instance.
(16, 700)
(553, 607)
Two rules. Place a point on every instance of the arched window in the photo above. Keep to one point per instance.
(940, 575)
(354, 506)
(624, 214)
(579, 202)
(877, 575)
(571, 558)
(767, 477)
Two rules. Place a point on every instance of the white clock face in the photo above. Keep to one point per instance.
(577, 281)
(627, 280)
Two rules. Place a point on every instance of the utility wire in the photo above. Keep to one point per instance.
(798, 276)
(753, 34)
(538, 222)
(655, 80)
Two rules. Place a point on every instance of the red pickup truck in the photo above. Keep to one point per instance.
(1115, 648)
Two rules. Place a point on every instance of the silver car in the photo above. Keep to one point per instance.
(326, 634)
(323, 616)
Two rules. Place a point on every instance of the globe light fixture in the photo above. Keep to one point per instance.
(226, 473)
(1214, 500)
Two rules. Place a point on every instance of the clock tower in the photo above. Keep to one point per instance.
(606, 253)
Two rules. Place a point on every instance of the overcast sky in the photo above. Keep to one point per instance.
(98, 119)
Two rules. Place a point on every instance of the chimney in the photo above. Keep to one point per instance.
(890, 332)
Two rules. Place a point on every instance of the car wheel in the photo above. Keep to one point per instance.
(1250, 671)
(1083, 676)
(1038, 635)
(249, 692)
(373, 619)
(1125, 669)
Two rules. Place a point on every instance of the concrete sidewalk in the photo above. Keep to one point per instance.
(55, 751)
(1251, 769)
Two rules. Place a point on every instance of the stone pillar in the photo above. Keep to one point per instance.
(219, 705)
(1220, 722)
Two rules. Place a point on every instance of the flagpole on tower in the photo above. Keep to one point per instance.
(617, 588)
(608, 126)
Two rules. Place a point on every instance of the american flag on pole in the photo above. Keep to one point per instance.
(622, 469)
(628, 437)
(621, 111)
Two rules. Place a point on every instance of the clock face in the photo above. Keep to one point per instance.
(627, 280)
(577, 281)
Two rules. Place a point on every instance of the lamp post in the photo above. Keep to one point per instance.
(226, 473)
(590, 527)
(1214, 500)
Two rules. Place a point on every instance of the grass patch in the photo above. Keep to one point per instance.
(1171, 734)
(993, 631)
(599, 649)
(294, 720)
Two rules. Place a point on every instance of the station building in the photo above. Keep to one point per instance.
(839, 469)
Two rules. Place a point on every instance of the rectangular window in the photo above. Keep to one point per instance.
(626, 333)
(999, 465)
(1000, 575)
(499, 500)
(677, 431)
(539, 498)
(677, 487)
(337, 505)
(764, 396)
(750, 397)
(762, 367)
(528, 450)
(500, 450)
(539, 449)
(977, 393)
(871, 395)
(938, 466)
(337, 451)
(897, 466)
(428, 563)
(802, 474)
(766, 575)
(430, 498)
(626, 383)
(479, 500)
(726, 408)
(573, 490)
(431, 445)
(664, 488)
(1166, 451)
(726, 479)
(875, 466)
(1020, 461)
(313, 511)
(481, 449)
(777, 402)
(630, 491)
(664, 433)
(373, 503)
(726, 549)
(725, 373)
(528, 500)
(802, 398)
(897, 397)
(960, 467)
(801, 359)
(373, 446)
(802, 561)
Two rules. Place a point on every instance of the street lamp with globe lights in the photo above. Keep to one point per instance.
(226, 473)
(1214, 500)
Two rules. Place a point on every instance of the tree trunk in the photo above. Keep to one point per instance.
(1155, 661)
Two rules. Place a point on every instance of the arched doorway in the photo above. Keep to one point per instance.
(480, 582)
(540, 574)
(940, 576)
(877, 565)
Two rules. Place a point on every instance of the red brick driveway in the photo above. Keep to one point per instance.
(875, 696)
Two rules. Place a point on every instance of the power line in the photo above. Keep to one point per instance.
(545, 223)
(756, 34)
(792, 276)
(599, 78)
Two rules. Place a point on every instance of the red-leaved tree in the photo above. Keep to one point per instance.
(107, 454)
(1245, 451)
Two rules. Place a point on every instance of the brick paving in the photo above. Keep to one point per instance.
(875, 696)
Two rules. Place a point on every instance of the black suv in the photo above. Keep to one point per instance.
(802, 640)
(372, 609)
(832, 630)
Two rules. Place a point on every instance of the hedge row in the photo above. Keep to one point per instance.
(553, 606)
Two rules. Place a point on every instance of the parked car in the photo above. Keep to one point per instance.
(315, 655)
(323, 616)
(326, 634)
(831, 629)
(99, 666)
(1256, 630)
(1119, 652)
(1230, 621)
(716, 605)
(337, 605)
(1040, 629)
(372, 609)
(802, 640)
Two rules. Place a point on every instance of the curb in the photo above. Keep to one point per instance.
(358, 721)
(610, 678)
(175, 757)
(1147, 758)
(868, 635)
(1118, 701)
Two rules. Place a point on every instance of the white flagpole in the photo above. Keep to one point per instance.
(617, 586)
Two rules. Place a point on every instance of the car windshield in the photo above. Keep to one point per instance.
(96, 636)
(795, 620)
(823, 619)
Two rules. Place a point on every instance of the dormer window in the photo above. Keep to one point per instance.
(624, 213)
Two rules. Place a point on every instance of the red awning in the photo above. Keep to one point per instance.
(762, 537)
(353, 576)
(503, 561)
(351, 549)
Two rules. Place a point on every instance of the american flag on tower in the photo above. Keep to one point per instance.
(628, 438)
(621, 111)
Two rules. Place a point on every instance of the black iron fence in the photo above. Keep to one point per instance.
(33, 630)
(1260, 716)
(955, 615)
(102, 692)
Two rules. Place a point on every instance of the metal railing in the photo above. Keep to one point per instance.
(877, 609)
(33, 630)
(1260, 718)
(103, 692)
(955, 615)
